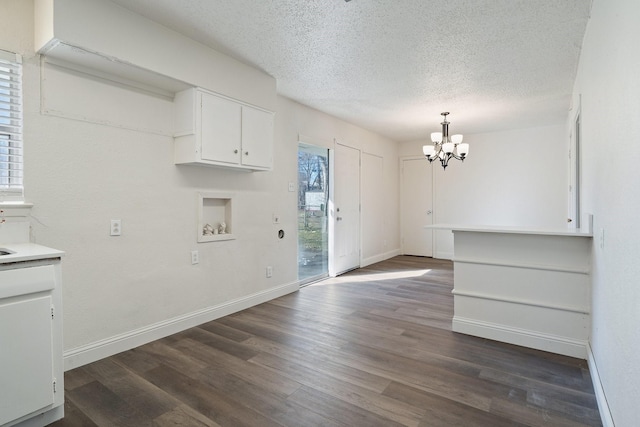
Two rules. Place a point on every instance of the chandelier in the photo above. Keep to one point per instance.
(445, 147)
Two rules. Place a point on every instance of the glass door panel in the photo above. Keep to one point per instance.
(313, 195)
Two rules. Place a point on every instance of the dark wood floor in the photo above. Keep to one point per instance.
(373, 347)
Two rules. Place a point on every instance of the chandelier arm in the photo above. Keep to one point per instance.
(444, 161)
(455, 156)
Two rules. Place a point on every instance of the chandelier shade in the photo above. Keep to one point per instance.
(445, 147)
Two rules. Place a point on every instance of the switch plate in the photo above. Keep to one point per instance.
(269, 271)
(292, 186)
(116, 227)
(195, 257)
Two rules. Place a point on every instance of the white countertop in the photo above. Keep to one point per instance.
(27, 252)
(547, 231)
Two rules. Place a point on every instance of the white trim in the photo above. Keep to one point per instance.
(97, 350)
(529, 302)
(378, 258)
(16, 209)
(522, 337)
(331, 225)
(10, 56)
(42, 419)
(443, 255)
(603, 405)
(544, 267)
(315, 142)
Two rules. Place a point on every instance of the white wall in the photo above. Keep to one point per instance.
(96, 154)
(609, 86)
(380, 200)
(513, 178)
(111, 30)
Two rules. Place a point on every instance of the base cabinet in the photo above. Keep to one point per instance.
(31, 371)
(524, 288)
(216, 131)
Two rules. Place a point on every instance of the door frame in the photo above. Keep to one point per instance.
(575, 173)
(402, 198)
(330, 211)
(303, 141)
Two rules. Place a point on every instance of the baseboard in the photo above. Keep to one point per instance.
(443, 255)
(525, 338)
(603, 405)
(92, 352)
(379, 258)
(43, 419)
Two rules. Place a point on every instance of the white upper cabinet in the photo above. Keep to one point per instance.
(212, 130)
(257, 151)
(220, 129)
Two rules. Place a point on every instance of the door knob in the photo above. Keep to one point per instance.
(569, 220)
(339, 218)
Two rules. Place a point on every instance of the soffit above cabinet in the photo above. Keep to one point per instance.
(109, 68)
(102, 36)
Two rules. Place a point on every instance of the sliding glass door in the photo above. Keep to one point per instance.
(313, 196)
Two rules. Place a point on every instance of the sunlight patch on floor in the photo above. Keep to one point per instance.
(369, 277)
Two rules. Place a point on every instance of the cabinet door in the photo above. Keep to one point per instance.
(220, 136)
(257, 138)
(26, 354)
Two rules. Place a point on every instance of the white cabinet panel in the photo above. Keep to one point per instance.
(257, 138)
(26, 352)
(220, 129)
(212, 130)
(31, 371)
(524, 287)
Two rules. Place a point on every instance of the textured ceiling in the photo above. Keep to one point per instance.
(393, 65)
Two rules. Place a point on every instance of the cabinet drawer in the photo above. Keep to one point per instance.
(22, 281)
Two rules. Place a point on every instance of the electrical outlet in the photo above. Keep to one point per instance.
(269, 271)
(292, 186)
(195, 257)
(116, 227)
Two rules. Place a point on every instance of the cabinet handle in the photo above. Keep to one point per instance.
(235, 151)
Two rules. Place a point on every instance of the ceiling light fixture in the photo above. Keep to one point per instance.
(445, 147)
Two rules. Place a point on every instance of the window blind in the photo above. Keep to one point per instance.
(11, 149)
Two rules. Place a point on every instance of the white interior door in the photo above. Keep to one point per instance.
(374, 234)
(345, 211)
(416, 206)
